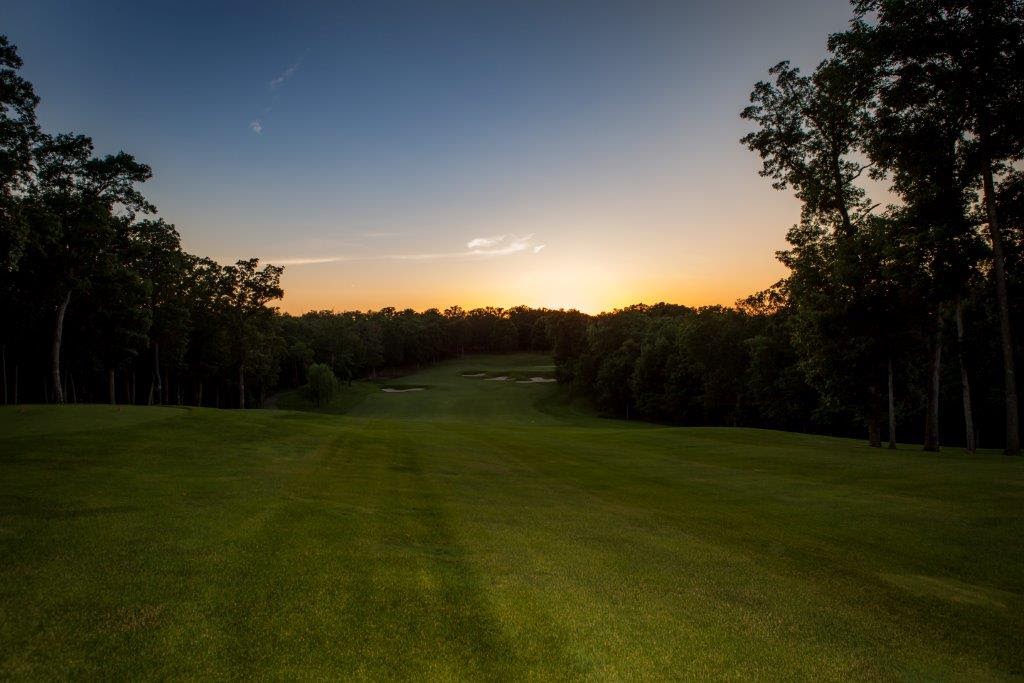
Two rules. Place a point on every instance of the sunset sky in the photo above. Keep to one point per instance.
(420, 154)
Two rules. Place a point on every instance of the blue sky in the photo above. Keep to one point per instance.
(589, 148)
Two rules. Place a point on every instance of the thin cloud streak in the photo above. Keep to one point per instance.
(382, 234)
(256, 126)
(277, 82)
(480, 247)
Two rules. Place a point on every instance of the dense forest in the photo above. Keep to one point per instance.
(900, 315)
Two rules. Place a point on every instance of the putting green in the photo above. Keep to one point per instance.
(488, 530)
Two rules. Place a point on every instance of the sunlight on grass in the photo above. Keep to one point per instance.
(483, 530)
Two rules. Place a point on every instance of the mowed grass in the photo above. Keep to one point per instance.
(450, 395)
(484, 530)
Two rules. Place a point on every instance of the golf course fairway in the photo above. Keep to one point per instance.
(484, 529)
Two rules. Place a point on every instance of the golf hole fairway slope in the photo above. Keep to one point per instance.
(491, 530)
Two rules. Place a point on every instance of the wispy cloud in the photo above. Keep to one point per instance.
(307, 261)
(478, 247)
(277, 82)
(382, 234)
(502, 245)
(256, 126)
(484, 242)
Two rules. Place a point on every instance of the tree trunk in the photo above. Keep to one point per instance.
(892, 410)
(844, 212)
(157, 380)
(965, 380)
(874, 431)
(199, 395)
(241, 385)
(5, 372)
(874, 417)
(58, 333)
(931, 418)
(1002, 299)
(74, 394)
(110, 386)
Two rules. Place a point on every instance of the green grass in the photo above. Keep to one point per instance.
(484, 530)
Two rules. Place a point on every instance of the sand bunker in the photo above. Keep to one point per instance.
(536, 380)
(503, 378)
(392, 390)
(473, 374)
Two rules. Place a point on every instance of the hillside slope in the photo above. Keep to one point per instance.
(478, 529)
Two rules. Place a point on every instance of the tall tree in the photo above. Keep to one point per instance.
(155, 254)
(809, 134)
(969, 56)
(209, 353)
(119, 318)
(18, 130)
(72, 202)
(249, 289)
(917, 141)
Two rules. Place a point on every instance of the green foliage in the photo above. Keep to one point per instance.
(322, 385)
(688, 366)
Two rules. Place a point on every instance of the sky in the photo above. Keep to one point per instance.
(438, 152)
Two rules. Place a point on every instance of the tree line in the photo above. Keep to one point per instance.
(356, 344)
(748, 366)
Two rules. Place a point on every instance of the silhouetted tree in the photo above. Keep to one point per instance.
(953, 72)
(248, 290)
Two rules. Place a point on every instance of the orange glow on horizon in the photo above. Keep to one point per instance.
(585, 291)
